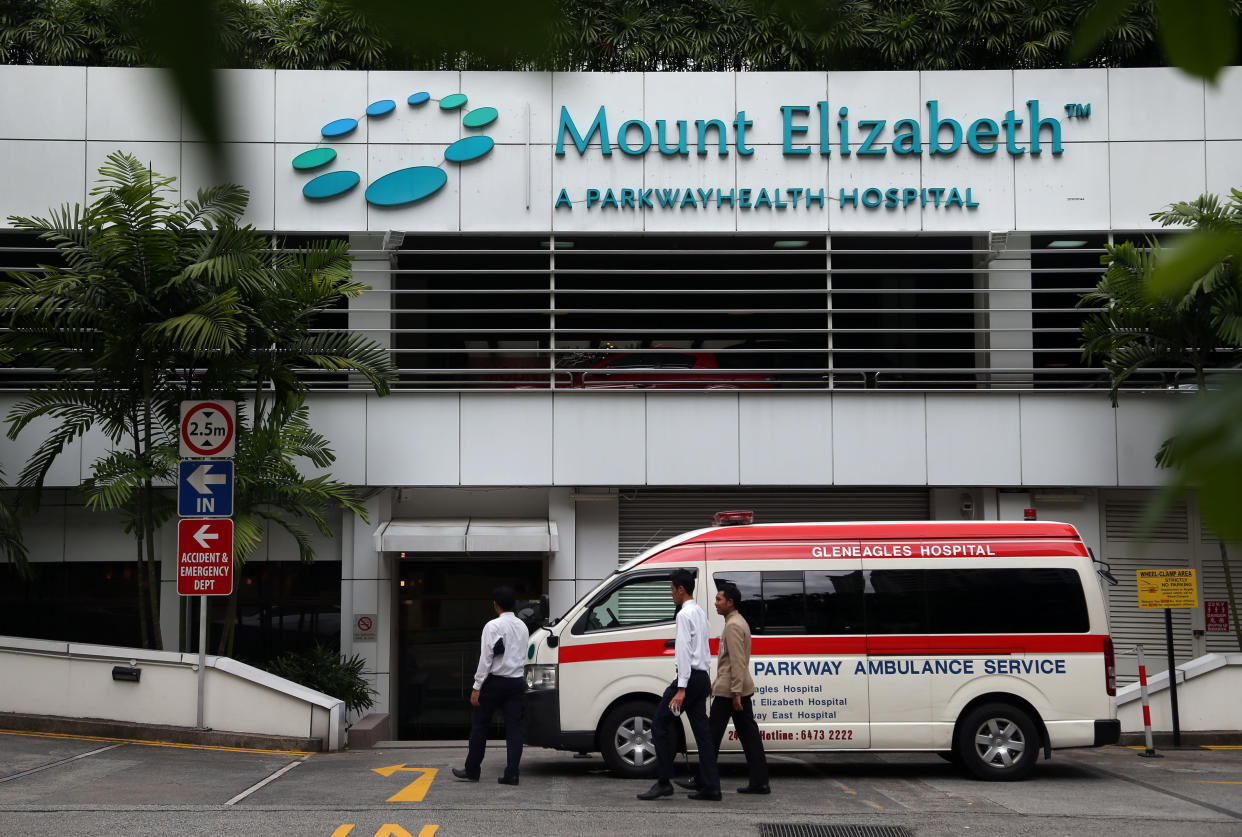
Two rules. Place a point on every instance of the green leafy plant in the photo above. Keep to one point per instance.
(325, 670)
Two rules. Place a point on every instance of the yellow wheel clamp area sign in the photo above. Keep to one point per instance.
(1167, 588)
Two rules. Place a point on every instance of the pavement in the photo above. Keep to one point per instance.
(63, 785)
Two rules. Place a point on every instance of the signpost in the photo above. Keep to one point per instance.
(1168, 589)
(205, 504)
(1216, 616)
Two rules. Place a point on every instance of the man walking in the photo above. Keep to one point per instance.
(689, 690)
(732, 691)
(498, 684)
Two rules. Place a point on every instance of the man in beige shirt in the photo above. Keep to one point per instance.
(732, 691)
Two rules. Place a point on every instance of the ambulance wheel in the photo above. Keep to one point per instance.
(997, 742)
(625, 740)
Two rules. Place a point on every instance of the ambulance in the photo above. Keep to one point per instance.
(984, 642)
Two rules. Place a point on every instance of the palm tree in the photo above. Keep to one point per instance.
(1197, 330)
(155, 303)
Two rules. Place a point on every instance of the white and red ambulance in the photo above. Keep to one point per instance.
(986, 642)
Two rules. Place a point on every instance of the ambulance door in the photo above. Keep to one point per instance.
(808, 649)
(618, 653)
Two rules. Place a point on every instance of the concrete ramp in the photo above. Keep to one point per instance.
(1207, 696)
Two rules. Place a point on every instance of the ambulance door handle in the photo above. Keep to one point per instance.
(670, 643)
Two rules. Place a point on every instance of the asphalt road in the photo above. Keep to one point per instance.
(72, 786)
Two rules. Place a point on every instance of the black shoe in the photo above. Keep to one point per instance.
(505, 780)
(689, 784)
(706, 795)
(461, 774)
(755, 789)
(657, 790)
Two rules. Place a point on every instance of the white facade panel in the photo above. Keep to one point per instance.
(761, 95)
(251, 162)
(425, 123)
(163, 157)
(342, 419)
(1154, 103)
(1224, 168)
(413, 439)
(307, 100)
(785, 439)
(581, 95)
(1222, 117)
(43, 103)
(440, 212)
(40, 175)
(600, 438)
(1144, 422)
(343, 212)
(876, 95)
(577, 173)
(673, 96)
(1057, 88)
(1067, 440)
(769, 168)
(967, 96)
(973, 440)
(247, 107)
(506, 438)
(1145, 177)
(990, 184)
(879, 439)
(524, 101)
(692, 438)
(131, 105)
(509, 190)
(695, 184)
(855, 174)
(1066, 192)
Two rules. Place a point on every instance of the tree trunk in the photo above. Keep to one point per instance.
(229, 629)
(148, 517)
(141, 577)
(1233, 603)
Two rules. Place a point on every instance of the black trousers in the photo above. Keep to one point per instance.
(722, 712)
(695, 707)
(508, 694)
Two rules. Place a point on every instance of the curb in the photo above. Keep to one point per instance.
(100, 728)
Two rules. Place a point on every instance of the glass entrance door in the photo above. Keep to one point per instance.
(442, 605)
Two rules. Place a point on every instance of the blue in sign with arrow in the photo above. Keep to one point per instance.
(204, 489)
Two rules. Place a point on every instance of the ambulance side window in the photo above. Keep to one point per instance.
(794, 602)
(895, 602)
(640, 601)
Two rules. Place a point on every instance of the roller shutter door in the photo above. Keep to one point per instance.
(1127, 549)
(647, 517)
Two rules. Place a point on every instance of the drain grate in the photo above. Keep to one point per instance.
(802, 829)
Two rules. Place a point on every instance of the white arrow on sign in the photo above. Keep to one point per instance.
(201, 477)
(205, 534)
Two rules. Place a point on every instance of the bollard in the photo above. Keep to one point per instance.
(1150, 752)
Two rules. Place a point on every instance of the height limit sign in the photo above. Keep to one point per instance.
(208, 429)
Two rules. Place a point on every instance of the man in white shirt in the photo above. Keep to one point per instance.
(689, 690)
(499, 683)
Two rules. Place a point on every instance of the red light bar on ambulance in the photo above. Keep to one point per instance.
(733, 518)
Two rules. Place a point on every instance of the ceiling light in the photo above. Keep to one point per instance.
(1067, 244)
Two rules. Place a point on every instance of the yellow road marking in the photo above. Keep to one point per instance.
(414, 791)
(343, 830)
(142, 743)
(392, 830)
(1214, 782)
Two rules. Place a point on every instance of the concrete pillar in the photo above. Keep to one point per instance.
(1007, 299)
(367, 589)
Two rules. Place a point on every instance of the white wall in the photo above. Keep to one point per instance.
(1153, 136)
(75, 681)
(1202, 684)
(528, 441)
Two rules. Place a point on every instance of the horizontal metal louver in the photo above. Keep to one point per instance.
(1125, 519)
(648, 517)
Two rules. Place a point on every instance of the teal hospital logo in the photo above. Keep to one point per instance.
(402, 186)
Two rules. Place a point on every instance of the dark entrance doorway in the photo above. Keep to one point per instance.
(442, 605)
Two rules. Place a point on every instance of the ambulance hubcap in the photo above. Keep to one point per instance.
(634, 741)
(999, 742)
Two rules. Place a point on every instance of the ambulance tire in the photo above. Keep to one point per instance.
(997, 742)
(625, 740)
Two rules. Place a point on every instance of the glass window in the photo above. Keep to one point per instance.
(834, 602)
(895, 602)
(1020, 601)
(641, 601)
(796, 602)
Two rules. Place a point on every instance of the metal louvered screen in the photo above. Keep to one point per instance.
(1126, 520)
(694, 311)
(799, 829)
(1127, 551)
(648, 517)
